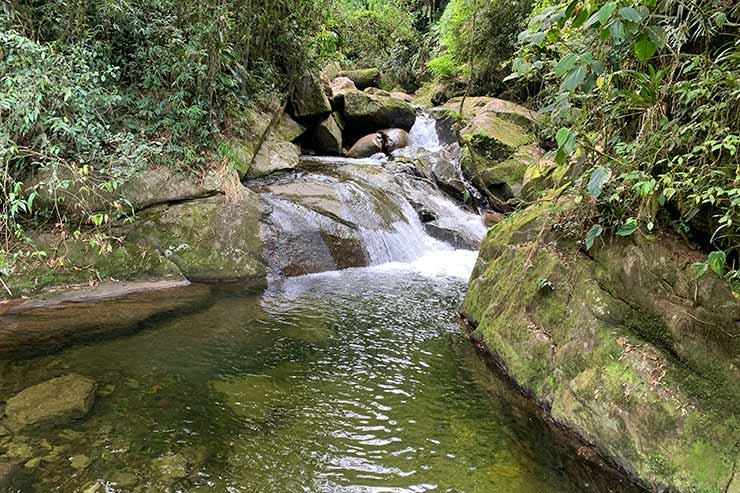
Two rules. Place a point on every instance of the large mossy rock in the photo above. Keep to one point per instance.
(208, 240)
(54, 402)
(362, 78)
(626, 348)
(498, 144)
(366, 113)
(309, 99)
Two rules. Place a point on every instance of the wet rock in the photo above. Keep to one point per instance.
(365, 113)
(367, 146)
(79, 462)
(124, 479)
(394, 139)
(611, 350)
(362, 78)
(327, 137)
(171, 467)
(54, 402)
(19, 450)
(447, 235)
(275, 154)
(309, 99)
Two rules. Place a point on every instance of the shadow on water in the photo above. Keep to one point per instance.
(356, 381)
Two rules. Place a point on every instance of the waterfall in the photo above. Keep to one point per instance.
(336, 212)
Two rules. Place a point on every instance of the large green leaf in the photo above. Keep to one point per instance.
(599, 176)
(629, 227)
(565, 64)
(592, 234)
(717, 261)
(644, 47)
(606, 12)
(574, 80)
(562, 136)
(630, 14)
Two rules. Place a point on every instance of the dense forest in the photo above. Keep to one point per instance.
(641, 97)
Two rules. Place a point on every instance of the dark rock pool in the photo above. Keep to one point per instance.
(352, 381)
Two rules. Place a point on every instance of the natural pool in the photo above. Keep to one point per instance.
(352, 381)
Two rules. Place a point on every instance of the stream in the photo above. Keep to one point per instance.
(353, 380)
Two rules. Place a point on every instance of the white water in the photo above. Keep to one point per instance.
(375, 208)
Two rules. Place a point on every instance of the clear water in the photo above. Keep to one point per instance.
(352, 381)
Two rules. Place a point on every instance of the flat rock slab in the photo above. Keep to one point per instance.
(56, 320)
(53, 402)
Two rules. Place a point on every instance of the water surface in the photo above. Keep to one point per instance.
(351, 381)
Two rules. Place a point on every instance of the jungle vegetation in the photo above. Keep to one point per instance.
(640, 97)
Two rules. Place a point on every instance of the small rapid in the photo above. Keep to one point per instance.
(338, 212)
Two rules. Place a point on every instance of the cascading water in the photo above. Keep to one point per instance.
(343, 212)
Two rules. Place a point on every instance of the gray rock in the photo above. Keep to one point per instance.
(171, 467)
(363, 78)
(309, 98)
(365, 113)
(366, 146)
(327, 137)
(54, 402)
(274, 155)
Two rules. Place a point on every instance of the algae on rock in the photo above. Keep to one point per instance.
(618, 348)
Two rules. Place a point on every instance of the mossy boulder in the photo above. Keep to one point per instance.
(54, 402)
(309, 99)
(208, 240)
(498, 144)
(275, 154)
(625, 347)
(362, 78)
(366, 113)
(326, 137)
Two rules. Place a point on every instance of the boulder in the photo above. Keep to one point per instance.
(213, 239)
(341, 84)
(377, 92)
(309, 99)
(402, 96)
(363, 78)
(367, 146)
(326, 137)
(170, 468)
(365, 113)
(275, 154)
(450, 236)
(623, 346)
(393, 139)
(54, 402)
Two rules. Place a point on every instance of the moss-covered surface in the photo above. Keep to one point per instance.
(613, 348)
(214, 238)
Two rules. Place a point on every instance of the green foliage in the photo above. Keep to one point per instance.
(92, 92)
(651, 91)
(476, 40)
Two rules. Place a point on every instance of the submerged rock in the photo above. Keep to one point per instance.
(171, 467)
(54, 402)
(9, 472)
